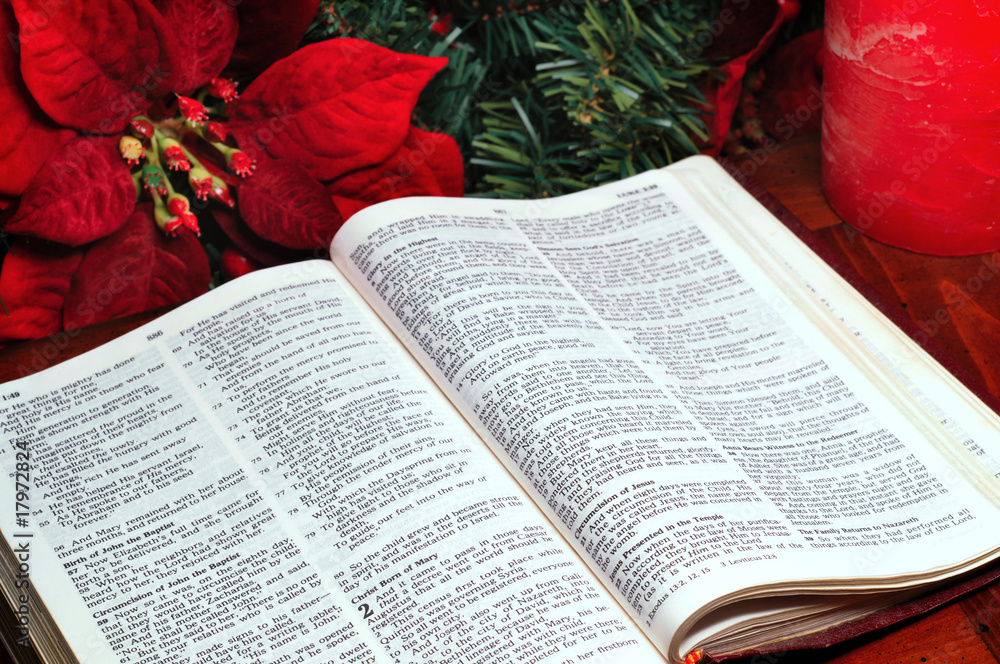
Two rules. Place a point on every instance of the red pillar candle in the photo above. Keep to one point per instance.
(911, 121)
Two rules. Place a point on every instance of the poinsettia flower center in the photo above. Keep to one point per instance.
(160, 150)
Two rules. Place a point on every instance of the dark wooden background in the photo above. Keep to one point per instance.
(948, 297)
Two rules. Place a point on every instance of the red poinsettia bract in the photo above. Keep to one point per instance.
(121, 125)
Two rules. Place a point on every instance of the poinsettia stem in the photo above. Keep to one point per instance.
(170, 187)
(197, 130)
(195, 162)
(154, 147)
(160, 212)
(223, 148)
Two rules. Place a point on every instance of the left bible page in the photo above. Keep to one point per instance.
(264, 475)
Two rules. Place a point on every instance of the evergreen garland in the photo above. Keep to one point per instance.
(548, 96)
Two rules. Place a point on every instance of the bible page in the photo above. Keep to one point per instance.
(688, 425)
(264, 475)
(964, 415)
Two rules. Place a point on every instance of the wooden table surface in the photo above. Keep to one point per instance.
(948, 297)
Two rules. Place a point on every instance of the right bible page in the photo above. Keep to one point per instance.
(967, 418)
(692, 426)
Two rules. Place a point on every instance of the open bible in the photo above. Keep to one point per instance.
(623, 425)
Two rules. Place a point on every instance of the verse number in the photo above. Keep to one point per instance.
(12, 395)
(365, 611)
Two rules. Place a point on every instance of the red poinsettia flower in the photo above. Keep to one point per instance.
(94, 124)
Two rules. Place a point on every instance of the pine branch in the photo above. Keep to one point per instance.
(521, 154)
(548, 96)
(508, 33)
(621, 93)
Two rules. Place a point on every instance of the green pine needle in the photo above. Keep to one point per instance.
(548, 96)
